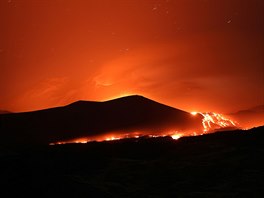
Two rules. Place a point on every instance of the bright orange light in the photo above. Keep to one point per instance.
(121, 95)
(212, 121)
(81, 142)
(176, 136)
(112, 138)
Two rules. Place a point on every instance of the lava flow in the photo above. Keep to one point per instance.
(173, 134)
(211, 122)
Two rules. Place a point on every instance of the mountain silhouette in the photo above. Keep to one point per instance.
(256, 109)
(250, 117)
(89, 118)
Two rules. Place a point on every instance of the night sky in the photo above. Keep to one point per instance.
(196, 55)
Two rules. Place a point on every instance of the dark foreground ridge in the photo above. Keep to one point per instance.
(85, 118)
(4, 112)
(223, 164)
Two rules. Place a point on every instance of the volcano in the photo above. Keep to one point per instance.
(92, 119)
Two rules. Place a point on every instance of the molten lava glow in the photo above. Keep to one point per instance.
(112, 138)
(211, 121)
(194, 113)
(176, 136)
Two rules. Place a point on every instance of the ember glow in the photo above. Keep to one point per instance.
(194, 113)
(174, 135)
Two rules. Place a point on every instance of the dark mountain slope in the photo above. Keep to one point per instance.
(84, 118)
(251, 117)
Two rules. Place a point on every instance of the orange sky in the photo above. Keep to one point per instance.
(191, 54)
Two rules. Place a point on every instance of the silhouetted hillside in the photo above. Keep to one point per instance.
(4, 112)
(251, 117)
(84, 118)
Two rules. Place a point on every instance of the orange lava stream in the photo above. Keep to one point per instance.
(211, 121)
(174, 135)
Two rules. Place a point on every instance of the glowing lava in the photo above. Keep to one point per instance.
(112, 138)
(176, 136)
(213, 121)
(194, 113)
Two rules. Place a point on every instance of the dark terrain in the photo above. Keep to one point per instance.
(250, 117)
(86, 118)
(223, 164)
